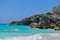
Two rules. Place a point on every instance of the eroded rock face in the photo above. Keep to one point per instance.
(42, 20)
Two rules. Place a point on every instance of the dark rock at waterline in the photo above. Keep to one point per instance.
(25, 21)
(47, 20)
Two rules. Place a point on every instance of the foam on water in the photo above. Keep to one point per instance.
(35, 37)
(8, 32)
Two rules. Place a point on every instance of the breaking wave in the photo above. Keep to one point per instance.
(54, 36)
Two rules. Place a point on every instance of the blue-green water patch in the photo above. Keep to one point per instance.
(20, 30)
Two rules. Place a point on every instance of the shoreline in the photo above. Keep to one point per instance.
(35, 37)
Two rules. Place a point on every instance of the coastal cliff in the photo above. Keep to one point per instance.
(42, 21)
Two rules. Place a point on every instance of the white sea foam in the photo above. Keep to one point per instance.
(35, 37)
(15, 30)
(55, 34)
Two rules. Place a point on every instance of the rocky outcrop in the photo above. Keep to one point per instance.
(45, 21)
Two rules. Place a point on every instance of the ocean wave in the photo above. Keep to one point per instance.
(54, 36)
(33, 37)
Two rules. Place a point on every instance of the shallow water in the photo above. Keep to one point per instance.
(9, 32)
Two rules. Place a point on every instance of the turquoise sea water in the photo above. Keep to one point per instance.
(20, 30)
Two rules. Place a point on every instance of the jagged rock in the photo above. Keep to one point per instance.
(56, 10)
(25, 21)
(14, 23)
(48, 20)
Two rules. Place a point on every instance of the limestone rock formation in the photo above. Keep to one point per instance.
(45, 21)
